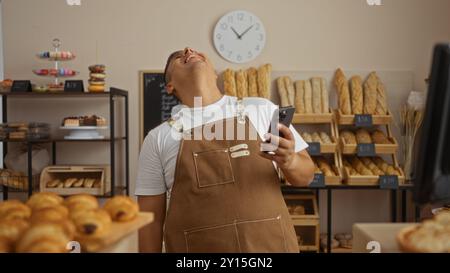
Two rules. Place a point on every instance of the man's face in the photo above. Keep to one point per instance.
(182, 66)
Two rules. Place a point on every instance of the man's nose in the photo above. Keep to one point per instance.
(188, 50)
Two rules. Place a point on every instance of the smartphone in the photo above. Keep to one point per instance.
(282, 115)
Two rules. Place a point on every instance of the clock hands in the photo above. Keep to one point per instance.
(247, 30)
(235, 32)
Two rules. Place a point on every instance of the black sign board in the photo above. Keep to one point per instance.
(318, 181)
(389, 182)
(74, 86)
(21, 86)
(313, 148)
(363, 121)
(366, 149)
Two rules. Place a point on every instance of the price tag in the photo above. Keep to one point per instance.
(313, 148)
(363, 121)
(389, 182)
(21, 86)
(318, 181)
(366, 149)
(74, 86)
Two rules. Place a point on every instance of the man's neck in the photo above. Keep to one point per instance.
(208, 91)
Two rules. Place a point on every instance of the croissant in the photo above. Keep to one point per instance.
(92, 223)
(50, 214)
(122, 208)
(81, 202)
(14, 209)
(43, 200)
(12, 229)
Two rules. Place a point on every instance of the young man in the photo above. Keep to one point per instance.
(224, 192)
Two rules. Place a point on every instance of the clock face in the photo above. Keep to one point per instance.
(239, 36)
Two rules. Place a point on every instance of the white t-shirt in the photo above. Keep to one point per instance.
(158, 157)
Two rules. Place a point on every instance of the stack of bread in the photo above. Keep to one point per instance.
(97, 78)
(323, 166)
(375, 166)
(248, 83)
(320, 137)
(47, 223)
(356, 97)
(308, 96)
(362, 136)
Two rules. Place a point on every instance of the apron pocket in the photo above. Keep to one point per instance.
(212, 240)
(263, 236)
(213, 168)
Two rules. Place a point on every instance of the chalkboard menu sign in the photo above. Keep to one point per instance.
(21, 86)
(156, 104)
(74, 86)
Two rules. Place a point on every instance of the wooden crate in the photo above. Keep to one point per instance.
(63, 172)
(347, 148)
(308, 201)
(309, 231)
(370, 180)
(313, 118)
(350, 119)
(336, 166)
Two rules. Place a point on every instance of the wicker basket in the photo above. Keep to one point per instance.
(17, 180)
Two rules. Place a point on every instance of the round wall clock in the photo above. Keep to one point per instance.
(239, 36)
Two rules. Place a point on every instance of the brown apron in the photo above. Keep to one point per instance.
(226, 197)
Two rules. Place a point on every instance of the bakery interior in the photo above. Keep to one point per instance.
(82, 84)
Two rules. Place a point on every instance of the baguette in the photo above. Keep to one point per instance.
(316, 137)
(290, 90)
(325, 167)
(340, 81)
(282, 92)
(316, 95)
(308, 98)
(307, 137)
(229, 83)
(299, 97)
(381, 108)
(325, 138)
(252, 82)
(241, 84)
(264, 73)
(370, 94)
(324, 96)
(357, 95)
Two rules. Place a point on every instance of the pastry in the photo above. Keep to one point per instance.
(44, 200)
(18, 135)
(282, 92)
(92, 223)
(122, 208)
(349, 137)
(252, 82)
(308, 98)
(229, 83)
(14, 209)
(97, 82)
(81, 202)
(264, 73)
(96, 88)
(307, 137)
(71, 122)
(53, 183)
(241, 84)
(316, 137)
(290, 90)
(378, 137)
(356, 91)
(97, 68)
(79, 183)
(97, 76)
(370, 94)
(363, 136)
(51, 214)
(69, 182)
(5, 246)
(88, 182)
(12, 229)
(316, 95)
(324, 96)
(340, 81)
(325, 138)
(100, 121)
(299, 97)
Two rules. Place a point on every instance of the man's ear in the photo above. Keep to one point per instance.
(170, 89)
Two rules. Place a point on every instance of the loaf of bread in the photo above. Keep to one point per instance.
(282, 92)
(325, 167)
(370, 94)
(325, 138)
(264, 73)
(299, 97)
(381, 108)
(307, 137)
(252, 82)
(340, 81)
(349, 137)
(308, 97)
(324, 96)
(229, 83)
(363, 136)
(316, 95)
(357, 94)
(290, 90)
(316, 137)
(360, 167)
(349, 168)
(381, 164)
(371, 166)
(241, 84)
(378, 137)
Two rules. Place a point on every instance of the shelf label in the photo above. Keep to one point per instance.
(318, 181)
(389, 182)
(366, 149)
(313, 148)
(363, 121)
(74, 86)
(21, 86)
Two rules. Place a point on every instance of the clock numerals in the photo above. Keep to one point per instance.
(250, 55)
(261, 37)
(257, 26)
(257, 48)
(239, 58)
(219, 36)
(230, 53)
(222, 47)
(240, 16)
(224, 26)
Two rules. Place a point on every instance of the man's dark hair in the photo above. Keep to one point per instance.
(166, 74)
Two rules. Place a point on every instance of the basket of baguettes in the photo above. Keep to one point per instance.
(48, 223)
(365, 171)
(331, 173)
(384, 144)
(358, 98)
(430, 236)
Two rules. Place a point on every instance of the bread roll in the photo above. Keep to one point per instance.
(229, 83)
(44, 200)
(290, 90)
(14, 209)
(300, 97)
(252, 82)
(122, 208)
(348, 136)
(370, 94)
(12, 229)
(316, 95)
(282, 92)
(241, 84)
(307, 137)
(357, 94)
(308, 97)
(381, 108)
(325, 138)
(316, 137)
(324, 96)
(264, 73)
(50, 214)
(378, 137)
(340, 81)
(363, 136)
(81, 202)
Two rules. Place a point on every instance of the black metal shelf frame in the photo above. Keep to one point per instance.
(113, 94)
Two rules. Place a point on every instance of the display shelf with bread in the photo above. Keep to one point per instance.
(383, 143)
(302, 206)
(71, 180)
(329, 167)
(327, 142)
